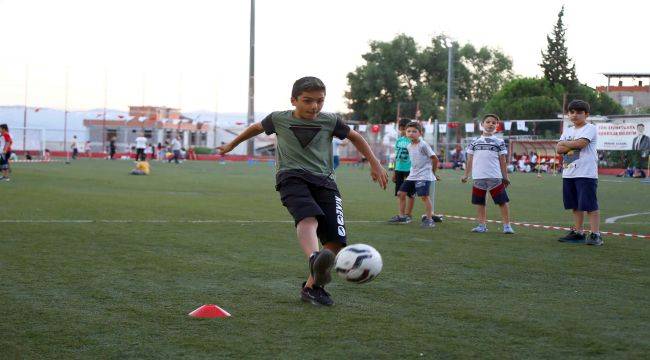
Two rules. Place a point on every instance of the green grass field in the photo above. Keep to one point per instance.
(79, 283)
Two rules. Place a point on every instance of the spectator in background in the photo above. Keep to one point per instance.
(47, 156)
(336, 143)
(112, 148)
(140, 147)
(458, 158)
(87, 148)
(176, 149)
(74, 147)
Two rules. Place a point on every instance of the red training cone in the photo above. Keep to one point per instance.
(209, 311)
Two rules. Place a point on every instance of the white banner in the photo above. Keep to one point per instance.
(618, 135)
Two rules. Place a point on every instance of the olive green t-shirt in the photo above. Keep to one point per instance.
(304, 145)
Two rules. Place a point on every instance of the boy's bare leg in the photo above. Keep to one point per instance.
(401, 196)
(505, 213)
(306, 231)
(427, 206)
(409, 206)
(482, 214)
(594, 221)
(578, 219)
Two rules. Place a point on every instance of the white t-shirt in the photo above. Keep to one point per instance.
(140, 142)
(581, 163)
(176, 145)
(420, 154)
(336, 142)
(486, 151)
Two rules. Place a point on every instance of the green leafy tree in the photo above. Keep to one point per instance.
(600, 103)
(483, 73)
(397, 72)
(389, 76)
(527, 98)
(557, 65)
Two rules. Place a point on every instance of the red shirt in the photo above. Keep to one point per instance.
(5, 139)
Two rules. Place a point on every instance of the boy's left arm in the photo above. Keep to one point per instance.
(377, 172)
(576, 144)
(504, 169)
(434, 166)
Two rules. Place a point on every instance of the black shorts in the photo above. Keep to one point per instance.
(400, 176)
(580, 194)
(4, 160)
(304, 199)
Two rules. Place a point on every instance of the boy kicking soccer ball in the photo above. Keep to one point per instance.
(486, 161)
(422, 175)
(305, 177)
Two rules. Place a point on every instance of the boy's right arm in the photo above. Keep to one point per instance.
(250, 132)
(468, 168)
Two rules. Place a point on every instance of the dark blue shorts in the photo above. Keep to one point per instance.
(580, 194)
(400, 176)
(418, 187)
(4, 161)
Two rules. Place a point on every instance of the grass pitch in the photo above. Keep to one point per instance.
(113, 263)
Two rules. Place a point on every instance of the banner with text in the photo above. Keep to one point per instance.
(629, 135)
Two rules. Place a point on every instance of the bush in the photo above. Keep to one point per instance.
(203, 151)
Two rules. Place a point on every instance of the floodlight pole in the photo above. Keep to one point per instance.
(25, 111)
(104, 112)
(449, 80)
(65, 118)
(251, 82)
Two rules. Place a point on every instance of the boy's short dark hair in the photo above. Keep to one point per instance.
(403, 123)
(415, 124)
(641, 124)
(4, 126)
(307, 83)
(490, 116)
(578, 105)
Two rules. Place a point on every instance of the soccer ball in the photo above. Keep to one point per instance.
(358, 263)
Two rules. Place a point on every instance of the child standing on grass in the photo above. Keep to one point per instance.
(402, 169)
(577, 146)
(486, 161)
(5, 151)
(422, 174)
(305, 177)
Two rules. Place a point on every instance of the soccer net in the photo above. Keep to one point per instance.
(28, 139)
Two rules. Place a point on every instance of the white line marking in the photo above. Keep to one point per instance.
(612, 220)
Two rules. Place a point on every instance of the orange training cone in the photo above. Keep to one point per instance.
(209, 311)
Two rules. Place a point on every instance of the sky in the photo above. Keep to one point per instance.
(193, 54)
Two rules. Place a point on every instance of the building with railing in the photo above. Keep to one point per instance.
(632, 90)
(158, 124)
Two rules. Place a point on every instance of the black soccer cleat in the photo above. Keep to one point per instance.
(573, 237)
(320, 266)
(315, 295)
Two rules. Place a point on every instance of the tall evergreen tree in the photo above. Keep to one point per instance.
(557, 66)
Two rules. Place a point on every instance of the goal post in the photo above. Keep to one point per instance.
(28, 140)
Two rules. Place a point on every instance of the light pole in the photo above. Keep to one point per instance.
(450, 66)
(251, 82)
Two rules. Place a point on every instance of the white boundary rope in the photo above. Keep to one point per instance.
(64, 221)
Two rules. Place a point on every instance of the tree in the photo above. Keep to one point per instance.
(527, 98)
(397, 72)
(389, 76)
(483, 73)
(555, 61)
